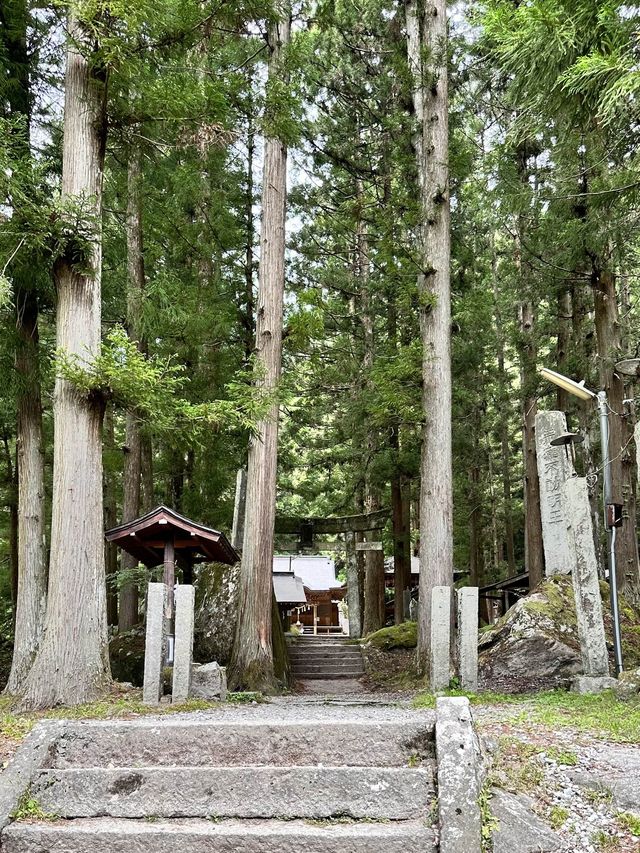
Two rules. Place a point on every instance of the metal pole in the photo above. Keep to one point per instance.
(611, 532)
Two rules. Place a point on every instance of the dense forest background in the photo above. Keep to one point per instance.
(544, 175)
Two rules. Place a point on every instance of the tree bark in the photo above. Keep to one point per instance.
(608, 342)
(128, 596)
(11, 481)
(528, 354)
(247, 316)
(504, 408)
(427, 58)
(31, 600)
(110, 520)
(252, 659)
(72, 663)
(29, 585)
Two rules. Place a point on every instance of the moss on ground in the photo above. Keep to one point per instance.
(403, 636)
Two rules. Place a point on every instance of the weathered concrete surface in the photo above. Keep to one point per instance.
(154, 643)
(593, 684)
(249, 792)
(30, 757)
(519, 829)
(209, 681)
(440, 638)
(168, 742)
(458, 761)
(467, 637)
(183, 654)
(196, 836)
(586, 586)
(554, 469)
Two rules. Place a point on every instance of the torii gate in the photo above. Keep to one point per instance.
(309, 526)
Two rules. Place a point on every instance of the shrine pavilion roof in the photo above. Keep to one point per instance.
(145, 537)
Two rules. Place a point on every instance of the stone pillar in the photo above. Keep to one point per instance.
(155, 642)
(183, 652)
(440, 637)
(413, 610)
(406, 603)
(467, 600)
(353, 587)
(554, 469)
(586, 587)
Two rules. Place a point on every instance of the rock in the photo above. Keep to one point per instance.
(208, 681)
(216, 609)
(126, 653)
(628, 684)
(593, 684)
(535, 646)
(519, 830)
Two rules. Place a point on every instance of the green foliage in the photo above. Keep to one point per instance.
(153, 387)
(29, 808)
(630, 822)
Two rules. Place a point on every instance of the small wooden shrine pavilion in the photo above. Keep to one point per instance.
(163, 536)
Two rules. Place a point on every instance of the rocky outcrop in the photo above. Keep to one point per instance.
(534, 646)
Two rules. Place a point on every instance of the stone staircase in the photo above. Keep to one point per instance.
(325, 657)
(359, 782)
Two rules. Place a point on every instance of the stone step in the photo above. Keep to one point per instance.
(373, 793)
(197, 836)
(174, 742)
(329, 666)
(345, 652)
(329, 675)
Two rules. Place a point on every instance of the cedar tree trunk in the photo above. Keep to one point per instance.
(72, 663)
(252, 659)
(427, 57)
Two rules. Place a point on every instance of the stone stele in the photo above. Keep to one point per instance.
(183, 653)
(154, 650)
(554, 469)
(467, 639)
(586, 587)
(440, 637)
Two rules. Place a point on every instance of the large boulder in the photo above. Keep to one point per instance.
(535, 646)
(216, 612)
(216, 617)
(126, 653)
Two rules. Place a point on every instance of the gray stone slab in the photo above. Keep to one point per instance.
(247, 792)
(440, 638)
(586, 586)
(614, 768)
(593, 684)
(458, 762)
(154, 650)
(144, 743)
(519, 829)
(467, 637)
(31, 755)
(554, 469)
(209, 681)
(185, 598)
(196, 836)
